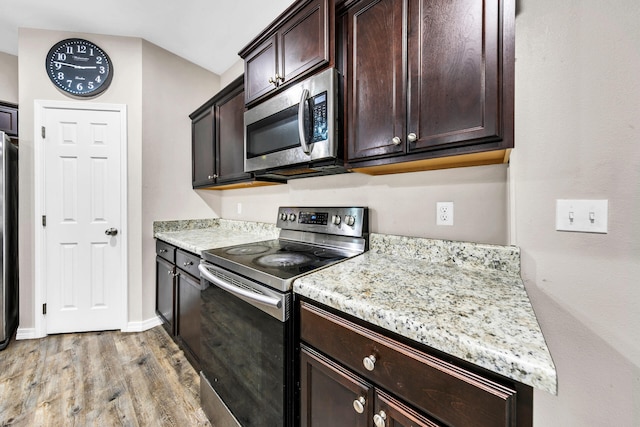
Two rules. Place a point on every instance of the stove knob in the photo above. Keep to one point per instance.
(283, 216)
(292, 217)
(349, 220)
(336, 219)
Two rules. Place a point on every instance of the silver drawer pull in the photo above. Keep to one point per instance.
(379, 419)
(163, 251)
(412, 137)
(187, 264)
(396, 140)
(358, 404)
(369, 362)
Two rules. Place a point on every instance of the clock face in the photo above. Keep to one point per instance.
(79, 67)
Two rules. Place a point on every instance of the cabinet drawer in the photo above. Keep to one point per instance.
(188, 262)
(453, 395)
(166, 251)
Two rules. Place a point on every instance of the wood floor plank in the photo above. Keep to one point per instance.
(99, 379)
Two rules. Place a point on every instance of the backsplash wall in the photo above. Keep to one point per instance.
(402, 204)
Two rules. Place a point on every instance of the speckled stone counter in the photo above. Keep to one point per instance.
(199, 235)
(464, 299)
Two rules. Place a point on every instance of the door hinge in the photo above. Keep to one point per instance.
(44, 308)
(44, 220)
(43, 132)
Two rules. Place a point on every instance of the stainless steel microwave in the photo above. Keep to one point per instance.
(295, 133)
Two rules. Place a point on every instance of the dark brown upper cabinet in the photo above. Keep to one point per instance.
(429, 83)
(298, 42)
(9, 119)
(217, 141)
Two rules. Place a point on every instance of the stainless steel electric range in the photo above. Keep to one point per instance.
(248, 337)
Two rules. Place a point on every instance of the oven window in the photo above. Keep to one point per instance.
(247, 356)
(274, 133)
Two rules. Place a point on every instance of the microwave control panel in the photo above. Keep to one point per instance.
(319, 117)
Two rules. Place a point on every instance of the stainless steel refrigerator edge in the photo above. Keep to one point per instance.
(9, 239)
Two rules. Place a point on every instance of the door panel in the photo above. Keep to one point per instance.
(453, 71)
(82, 196)
(376, 98)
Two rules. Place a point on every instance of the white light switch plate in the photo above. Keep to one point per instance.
(585, 216)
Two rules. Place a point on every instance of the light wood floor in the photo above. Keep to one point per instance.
(99, 379)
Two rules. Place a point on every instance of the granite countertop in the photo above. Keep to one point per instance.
(199, 235)
(464, 299)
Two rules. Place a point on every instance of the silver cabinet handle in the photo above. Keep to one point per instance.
(396, 140)
(358, 404)
(271, 80)
(301, 130)
(214, 176)
(379, 419)
(163, 251)
(186, 264)
(369, 362)
(412, 137)
(111, 231)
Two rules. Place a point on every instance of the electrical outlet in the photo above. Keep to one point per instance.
(444, 213)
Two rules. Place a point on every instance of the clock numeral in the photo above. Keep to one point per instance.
(102, 70)
(79, 86)
(98, 79)
(90, 51)
(81, 48)
(69, 83)
(58, 65)
(61, 56)
(69, 50)
(90, 85)
(98, 60)
(60, 76)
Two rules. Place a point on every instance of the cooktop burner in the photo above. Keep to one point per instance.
(310, 239)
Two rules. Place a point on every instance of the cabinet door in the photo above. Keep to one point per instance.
(165, 293)
(260, 69)
(376, 79)
(304, 41)
(189, 313)
(230, 137)
(453, 63)
(203, 149)
(9, 119)
(328, 393)
(390, 412)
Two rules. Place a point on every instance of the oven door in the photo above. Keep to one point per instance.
(247, 347)
(294, 127)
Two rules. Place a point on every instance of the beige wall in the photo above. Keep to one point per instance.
(8, 78)
(403, 204)
(156, 134)
(578, 136)
(172, 88)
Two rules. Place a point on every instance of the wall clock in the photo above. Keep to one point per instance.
(79, 67)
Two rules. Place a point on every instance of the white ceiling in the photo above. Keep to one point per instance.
(206, 32)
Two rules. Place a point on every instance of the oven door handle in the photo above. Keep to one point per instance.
(302, 132)
(262, 299)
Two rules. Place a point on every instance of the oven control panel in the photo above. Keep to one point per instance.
(342, 221)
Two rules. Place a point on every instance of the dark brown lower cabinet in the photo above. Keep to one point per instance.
(178, 297)
(353, 375)
(333, 396)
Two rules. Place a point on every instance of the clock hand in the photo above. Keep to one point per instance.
(79, 67)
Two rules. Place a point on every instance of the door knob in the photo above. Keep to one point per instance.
(111, 231)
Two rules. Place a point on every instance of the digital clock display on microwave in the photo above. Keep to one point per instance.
(318, 218)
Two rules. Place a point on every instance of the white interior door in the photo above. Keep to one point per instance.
(83, 235)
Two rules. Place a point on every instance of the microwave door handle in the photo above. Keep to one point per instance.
(263, 299)
(301, 130)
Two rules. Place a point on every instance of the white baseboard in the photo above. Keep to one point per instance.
(143, 325)
(27, 334)
(31, 333)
